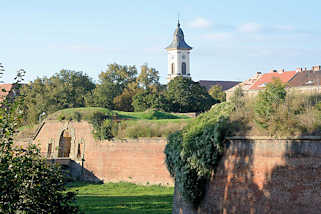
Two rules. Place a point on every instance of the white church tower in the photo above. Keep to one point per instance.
(178, 56)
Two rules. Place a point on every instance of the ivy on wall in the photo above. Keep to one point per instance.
(193, 153)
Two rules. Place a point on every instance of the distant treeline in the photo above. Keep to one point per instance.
(120, 87)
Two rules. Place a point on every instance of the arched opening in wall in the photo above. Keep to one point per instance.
(64, 144)
(173, 68)
(184, 68)
(49, 151)
(78, 152)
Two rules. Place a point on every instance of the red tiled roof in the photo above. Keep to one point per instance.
(6, 87)
(267, 78)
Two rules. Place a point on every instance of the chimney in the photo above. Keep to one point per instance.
(299, 69)
(316, 68)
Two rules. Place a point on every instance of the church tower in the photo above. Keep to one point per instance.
(178, 55)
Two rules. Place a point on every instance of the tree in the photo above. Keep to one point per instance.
(216, 91)
(28, 184)
(66, 89)
(267, 103)
(119, 75)
(237, 98)
(148, 99)
(185, 95)
(102, 96)
(148, 77)
(124, 101)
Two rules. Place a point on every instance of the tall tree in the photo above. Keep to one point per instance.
(120, 75)
(148, 77)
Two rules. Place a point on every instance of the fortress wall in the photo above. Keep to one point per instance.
(133, 160)
(263, 176)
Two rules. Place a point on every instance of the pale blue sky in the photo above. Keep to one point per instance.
(231, 39)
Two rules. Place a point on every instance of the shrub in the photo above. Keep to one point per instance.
(193, 153)
(102, 124)
(76, 116)
(61, 117)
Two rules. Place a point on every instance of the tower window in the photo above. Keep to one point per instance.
(173, 68)
(184, 68)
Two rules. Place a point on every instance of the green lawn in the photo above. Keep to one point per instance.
(87, 111)
(123, 198)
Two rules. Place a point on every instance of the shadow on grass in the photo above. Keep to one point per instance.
(125, 204)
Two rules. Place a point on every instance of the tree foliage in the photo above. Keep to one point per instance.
(28, 184)
(268, 102)
(148, 77)
(193, 153)
(185, 95)
(66, 89)
(217, 93)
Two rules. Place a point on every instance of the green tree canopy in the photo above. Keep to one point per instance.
(148, 77)
(185, 95)
(66, 89)
(216, 91)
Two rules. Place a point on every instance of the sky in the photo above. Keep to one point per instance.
(231, 40)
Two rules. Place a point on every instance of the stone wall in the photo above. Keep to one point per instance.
(133, 160)
(261, 175)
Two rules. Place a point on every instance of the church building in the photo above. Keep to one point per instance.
(178, 55)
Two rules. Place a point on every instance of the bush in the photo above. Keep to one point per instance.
(61, 117)
(267, 106)
(193, 153)
(76, 116)
(102, 124)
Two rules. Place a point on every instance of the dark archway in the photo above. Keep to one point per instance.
(184, 68)
(64, 144)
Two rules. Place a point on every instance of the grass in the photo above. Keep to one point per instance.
(86, 112)
(129, 124)
(123, 198)
(149, 128)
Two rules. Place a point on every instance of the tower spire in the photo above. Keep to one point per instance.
(178, 24)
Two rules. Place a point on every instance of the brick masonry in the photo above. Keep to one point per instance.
(263, 176)
(133, 160)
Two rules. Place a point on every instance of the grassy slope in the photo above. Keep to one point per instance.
(123, 198)
(87, 111)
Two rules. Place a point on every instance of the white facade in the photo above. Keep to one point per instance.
(178, 63)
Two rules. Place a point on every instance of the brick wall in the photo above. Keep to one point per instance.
(264, 176)
(139, 161)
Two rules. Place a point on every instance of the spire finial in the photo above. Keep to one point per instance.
(178, 24)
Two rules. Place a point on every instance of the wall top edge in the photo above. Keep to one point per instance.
(316, 138)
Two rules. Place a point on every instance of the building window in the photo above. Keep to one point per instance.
(78, 152)
(184, 68)
(173, 68)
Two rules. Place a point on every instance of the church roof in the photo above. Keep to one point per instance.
(178, 40)
(225, 84)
